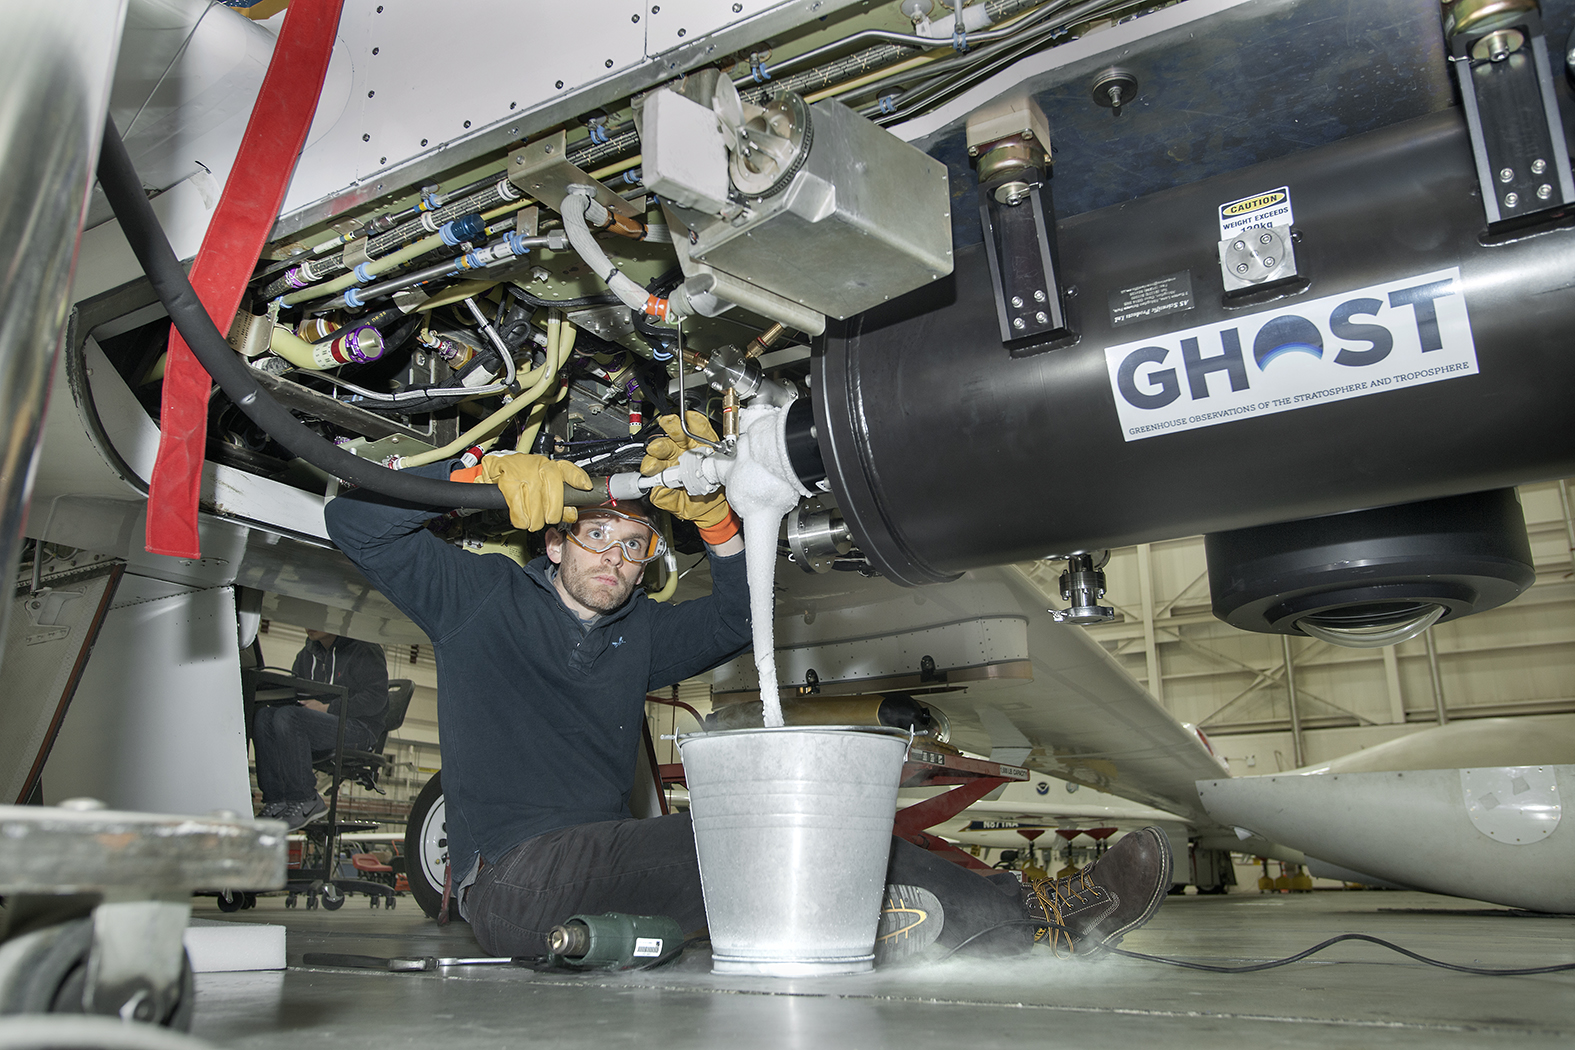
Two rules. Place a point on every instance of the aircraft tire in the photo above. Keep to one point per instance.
(426, 850)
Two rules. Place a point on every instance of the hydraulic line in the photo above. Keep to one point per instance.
(123, 187)
(877, 77)
(354, 343)
(513, 246)
(436, 209)
(537, 416)
(559, 344)
(379, 247)
(622, 139)
(505, 355)
(894, 48)
(670, 583)
(348, 280)
(456, 293)
(499, 198)
(391, 220)
(972, 67)
(617, 144)
(565, 304)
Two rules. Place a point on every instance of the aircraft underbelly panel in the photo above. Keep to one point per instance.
(1417, 829)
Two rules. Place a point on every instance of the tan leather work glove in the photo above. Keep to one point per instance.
(533, 487)
(711, 513)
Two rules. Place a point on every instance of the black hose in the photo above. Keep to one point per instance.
(123, 187)
(604, 299)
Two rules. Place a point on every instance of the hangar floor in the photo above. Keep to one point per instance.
(1352, 995)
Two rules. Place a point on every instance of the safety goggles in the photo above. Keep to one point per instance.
(594, 533)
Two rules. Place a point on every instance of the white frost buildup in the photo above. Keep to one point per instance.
(762, 488)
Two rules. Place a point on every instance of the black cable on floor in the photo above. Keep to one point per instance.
(1485, 971)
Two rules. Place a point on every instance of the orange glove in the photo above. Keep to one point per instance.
(532, 486)
(715, 518)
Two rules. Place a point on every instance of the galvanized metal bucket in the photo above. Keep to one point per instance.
(793, 831)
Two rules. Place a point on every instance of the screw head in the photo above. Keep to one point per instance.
(1269, 261)
(1539, 166)
(634, 18)
(1511, 199)
(1506, 174)
(1017, 322)
(1265, 238)
(1039, 295)
(559, 85)
(1544, 191)
(608, 63)
(1041, 317)
(1017, 301)
(1239, 246)
(1241, 267)
(366, 138)
(682, 32)
(737, 8)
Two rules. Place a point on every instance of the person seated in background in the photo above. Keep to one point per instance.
(288, 737)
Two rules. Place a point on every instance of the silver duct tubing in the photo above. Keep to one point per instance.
(920, 393)
(56, 60)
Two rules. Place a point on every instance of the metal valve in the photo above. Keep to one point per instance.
(1082, 585)
(817, 535)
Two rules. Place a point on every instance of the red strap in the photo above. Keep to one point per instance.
(252, 197)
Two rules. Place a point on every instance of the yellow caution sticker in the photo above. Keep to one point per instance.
(1261, 209)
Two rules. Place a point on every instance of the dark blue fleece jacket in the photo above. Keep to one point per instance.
(539, 717)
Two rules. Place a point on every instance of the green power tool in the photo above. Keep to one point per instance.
(614, 941)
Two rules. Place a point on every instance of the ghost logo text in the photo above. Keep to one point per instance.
(1366, 341)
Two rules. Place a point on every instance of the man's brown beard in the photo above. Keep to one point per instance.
(581, 585)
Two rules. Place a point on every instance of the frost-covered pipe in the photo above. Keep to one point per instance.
(762, 487)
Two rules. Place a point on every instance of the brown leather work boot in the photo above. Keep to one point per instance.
(1095, 908)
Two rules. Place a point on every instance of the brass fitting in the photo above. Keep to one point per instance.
(762, 342)
(730, 415)
(1465, 16)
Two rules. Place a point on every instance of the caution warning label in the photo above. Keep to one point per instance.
(1263, 209)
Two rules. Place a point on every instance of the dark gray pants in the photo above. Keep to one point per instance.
(284, 739)
(648, 867)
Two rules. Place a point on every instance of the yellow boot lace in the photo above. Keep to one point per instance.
(1052, 895)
